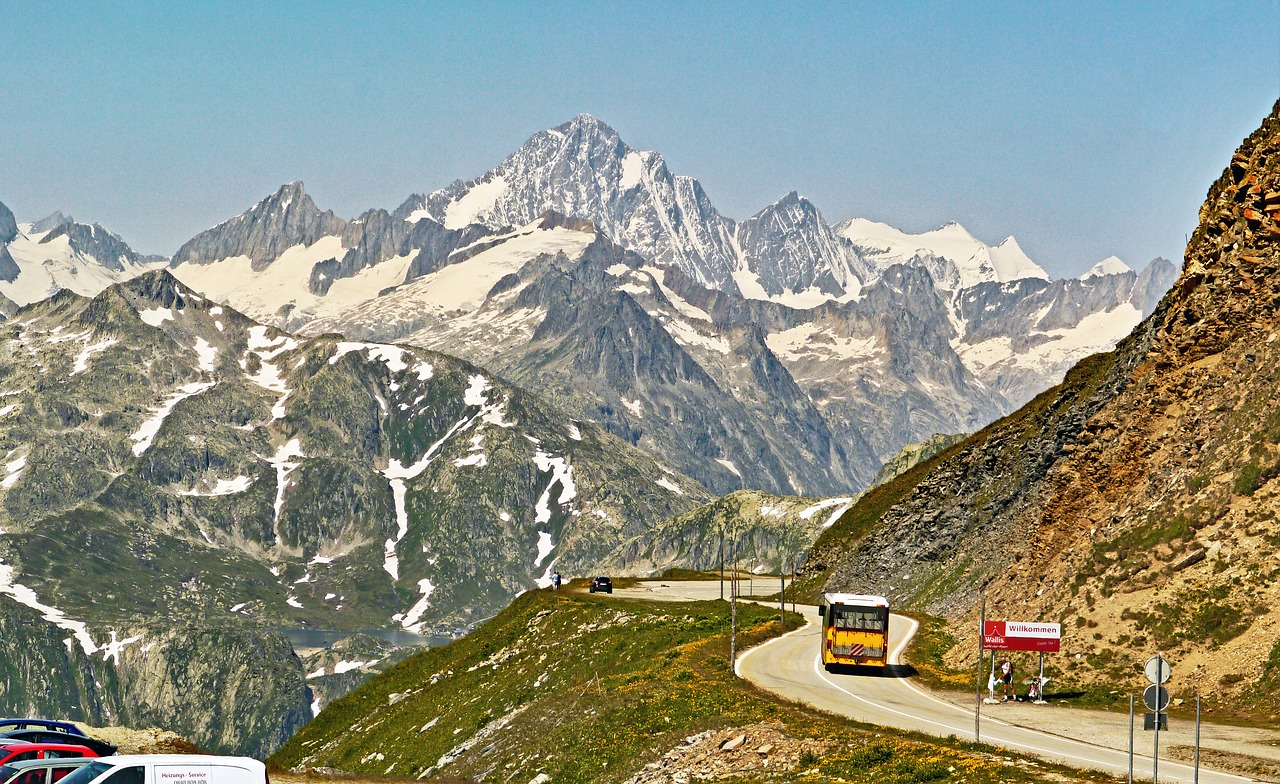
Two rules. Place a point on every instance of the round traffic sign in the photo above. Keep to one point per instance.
(1156, 698)
(1158, 670)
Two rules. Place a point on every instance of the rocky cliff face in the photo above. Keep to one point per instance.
(789, 248)
(286, 218)
(229, 691)
(600, 336)
(8, 226)
(1135, 502)
(1019, 335)
(96, 242)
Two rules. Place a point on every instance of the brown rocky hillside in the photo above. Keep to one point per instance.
(1137, 501)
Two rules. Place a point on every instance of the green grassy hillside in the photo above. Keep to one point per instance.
(584, 688)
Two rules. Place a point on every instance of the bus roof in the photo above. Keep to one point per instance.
(866, 600)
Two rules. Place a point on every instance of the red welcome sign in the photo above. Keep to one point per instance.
(1019, 636)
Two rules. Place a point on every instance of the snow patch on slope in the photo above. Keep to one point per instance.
(146, 433)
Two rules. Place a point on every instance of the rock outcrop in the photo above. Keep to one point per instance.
(284, 219)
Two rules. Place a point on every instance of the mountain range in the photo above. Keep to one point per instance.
(805, 354)
(406, 419)
(860, 339)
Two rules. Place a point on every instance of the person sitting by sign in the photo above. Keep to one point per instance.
(1006, 678)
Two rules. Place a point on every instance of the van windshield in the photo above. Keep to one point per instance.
(85, 774)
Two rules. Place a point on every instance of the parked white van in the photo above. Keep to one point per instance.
(169, 769)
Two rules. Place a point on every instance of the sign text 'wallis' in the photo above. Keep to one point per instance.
(1018, 636)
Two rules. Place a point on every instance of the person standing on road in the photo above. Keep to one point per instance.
(1006, 677)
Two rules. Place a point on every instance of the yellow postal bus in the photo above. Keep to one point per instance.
(855, 629)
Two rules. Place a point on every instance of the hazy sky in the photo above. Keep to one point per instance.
(1085, 130)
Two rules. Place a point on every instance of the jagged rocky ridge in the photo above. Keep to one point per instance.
(1138, 498)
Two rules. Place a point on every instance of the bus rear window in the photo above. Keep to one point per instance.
(868, 619)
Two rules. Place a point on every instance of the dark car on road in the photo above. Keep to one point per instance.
(601, 585)
(40, 771)
(100, 748)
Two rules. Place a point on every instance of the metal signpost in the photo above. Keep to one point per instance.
(977, 696)
(1020, 636)
(1156, 698)
(1197, 773)
(1130, 739)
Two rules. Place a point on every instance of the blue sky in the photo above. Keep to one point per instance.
(1083, 129)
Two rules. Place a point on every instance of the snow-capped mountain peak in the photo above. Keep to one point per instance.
(1012, 263)
(789, 254)
(584, 170)
(263, 233)
(1111, 265)
(953, 256)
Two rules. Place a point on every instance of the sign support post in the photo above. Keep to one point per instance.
(977, 695)
(1197, 773)
(1130, 739)
(1155, 758)
(1040, 700)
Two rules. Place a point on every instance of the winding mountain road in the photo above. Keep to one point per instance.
(789, 666)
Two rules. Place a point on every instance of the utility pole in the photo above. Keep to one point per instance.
(782, 599)
(722, 562)
(733, 613)
(792, 582)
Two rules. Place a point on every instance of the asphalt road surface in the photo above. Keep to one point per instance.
(790, 667)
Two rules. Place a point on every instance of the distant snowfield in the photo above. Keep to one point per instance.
(285, 281)
(751, 288)
(50, 266)
(461, 288)
(1058, 348)
(811, 341)
(468, 208)
(455, 289)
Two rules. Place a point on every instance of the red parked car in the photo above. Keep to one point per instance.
(13, 752)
